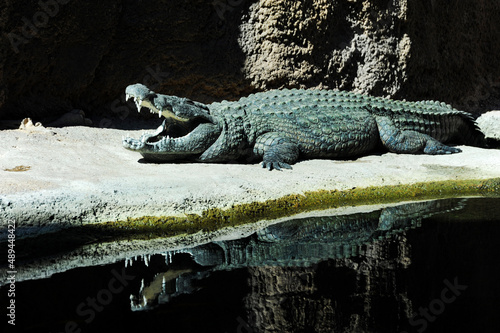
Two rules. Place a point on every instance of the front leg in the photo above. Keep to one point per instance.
(276, 151)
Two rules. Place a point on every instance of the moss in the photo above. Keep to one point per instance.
(149, 227)
(215, 218)
(19, 168)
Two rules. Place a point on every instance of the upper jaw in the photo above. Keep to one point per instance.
(136, 100)
(146, 103)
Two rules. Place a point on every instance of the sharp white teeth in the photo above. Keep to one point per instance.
(159, 114)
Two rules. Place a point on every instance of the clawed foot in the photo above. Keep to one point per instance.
(441, 150)
(277, 152)
(279, 156)
(275, 165)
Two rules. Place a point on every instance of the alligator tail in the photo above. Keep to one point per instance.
(469, 132)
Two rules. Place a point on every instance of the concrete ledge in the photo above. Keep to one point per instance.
(58, 177)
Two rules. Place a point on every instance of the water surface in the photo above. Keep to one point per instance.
(418, 267)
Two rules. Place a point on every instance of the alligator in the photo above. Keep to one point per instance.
(281, 126)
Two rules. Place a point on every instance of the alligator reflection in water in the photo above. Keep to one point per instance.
(283, 261)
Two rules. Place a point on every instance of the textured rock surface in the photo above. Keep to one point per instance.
(56, 56)
(342, 44)
(86, 53)
(490, 124)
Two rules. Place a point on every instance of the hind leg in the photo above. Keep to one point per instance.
(410, 142)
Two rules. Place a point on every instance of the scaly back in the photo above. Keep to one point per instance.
(436, 119)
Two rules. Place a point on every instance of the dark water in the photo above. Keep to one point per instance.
(425, 267)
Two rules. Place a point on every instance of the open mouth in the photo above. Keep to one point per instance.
(173, 127)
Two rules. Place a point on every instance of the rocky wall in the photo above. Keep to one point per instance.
(60, 55)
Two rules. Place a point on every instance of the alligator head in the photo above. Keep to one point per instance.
(186, 132)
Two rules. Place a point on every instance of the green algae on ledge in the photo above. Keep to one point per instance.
(212, 219)
(151, 227)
